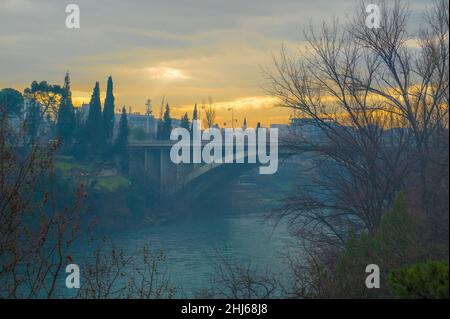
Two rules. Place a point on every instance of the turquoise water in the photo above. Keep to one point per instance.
(192, 246)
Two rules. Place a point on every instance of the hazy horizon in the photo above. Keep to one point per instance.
(155, 49)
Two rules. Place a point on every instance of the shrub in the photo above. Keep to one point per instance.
(424, 280)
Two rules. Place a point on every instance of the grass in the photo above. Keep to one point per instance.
(66, 166)
(110, 183)
(66, 163)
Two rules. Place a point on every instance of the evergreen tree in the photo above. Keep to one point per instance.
(11, 102)
(195, 114)
(108, 112)
(166, 124)
(66, 114)
(94, 123)
(185, 123)
(121, 142)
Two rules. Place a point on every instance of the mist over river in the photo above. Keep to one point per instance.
(192, 246)
(231, 224)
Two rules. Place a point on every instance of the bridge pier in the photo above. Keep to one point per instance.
(152, 165)
(168, 172)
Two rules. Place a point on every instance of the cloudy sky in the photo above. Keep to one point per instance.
(183, 50)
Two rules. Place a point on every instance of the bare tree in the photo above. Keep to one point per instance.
(378, 103)
(241, 280)
(114, 273)
(210, 113)
(35, 234)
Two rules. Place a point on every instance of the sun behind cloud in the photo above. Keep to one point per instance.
(166, 73)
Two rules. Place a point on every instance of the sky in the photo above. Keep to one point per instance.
(185, 51)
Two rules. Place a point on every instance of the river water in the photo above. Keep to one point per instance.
(192, 246)
(192, 242)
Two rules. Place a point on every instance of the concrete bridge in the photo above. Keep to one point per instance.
(152, 158)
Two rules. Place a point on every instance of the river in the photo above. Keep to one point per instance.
(192, 246)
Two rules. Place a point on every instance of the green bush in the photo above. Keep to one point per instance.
(425, 280)
(393, 245)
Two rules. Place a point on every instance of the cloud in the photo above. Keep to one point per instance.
(166, 73)
(183, 50)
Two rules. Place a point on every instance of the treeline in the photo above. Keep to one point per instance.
(46, 112)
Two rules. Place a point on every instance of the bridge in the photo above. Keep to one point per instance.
(152, 158)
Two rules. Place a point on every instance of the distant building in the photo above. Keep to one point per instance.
(301, 127)
(148, 123)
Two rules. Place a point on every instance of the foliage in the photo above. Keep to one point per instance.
(47, 96)
(166, 125)
(185, 123)
(111, 183)
(66, 115)
(11, 102)
(94, 124)
(424, 280)
(108, 112)
(393, 245)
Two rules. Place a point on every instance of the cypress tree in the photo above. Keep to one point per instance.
(194, 114)
(167, 123)
(66, 114)
(94, 123)
(108, 112)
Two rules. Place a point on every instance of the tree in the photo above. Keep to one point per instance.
(166, 124)
(94, 123)
(121, 142)
(66, 115)
(210, 114)
(39, 227)
(47, 96)
(381, 108)
(108, 112)
(195, 113)
(185, 123)
(32, 121)
(11, 102)
(36, 234)
(45, 101)
(427, 280)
